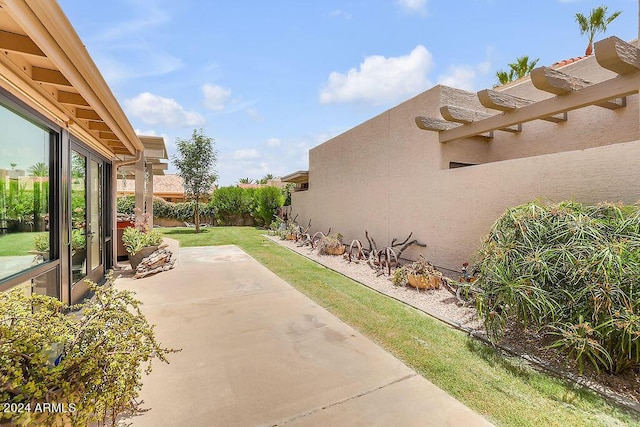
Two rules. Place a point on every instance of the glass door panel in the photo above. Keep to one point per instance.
(95, 225)
(78, 216)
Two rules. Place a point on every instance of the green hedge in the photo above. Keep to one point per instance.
(229, 206)
(162, 209)
(236, 206)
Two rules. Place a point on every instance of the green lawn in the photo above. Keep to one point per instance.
(504, 390)
(17, 243)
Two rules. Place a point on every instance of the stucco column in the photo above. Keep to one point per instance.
(149, 195)
(139, 181)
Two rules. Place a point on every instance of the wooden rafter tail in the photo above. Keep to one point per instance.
(466, 116)
(617, 55)
(559, 83)
(504, 102)
(19, 43)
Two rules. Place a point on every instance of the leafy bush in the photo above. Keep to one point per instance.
(267, 202)
(232, 204)
(134, 240)
(126, 204)
(162, 209)
(90, 362)
(571, 270)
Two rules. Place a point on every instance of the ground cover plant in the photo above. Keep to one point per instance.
(571, 271)
(503, 389)
(87, 363)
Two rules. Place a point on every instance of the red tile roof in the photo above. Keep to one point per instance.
(568, 61)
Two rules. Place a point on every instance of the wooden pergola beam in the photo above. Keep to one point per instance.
(505, 102)
(45, 75)
(466, 116)
(595, 94)
(19, 43)
(617, 55)
(559, 83)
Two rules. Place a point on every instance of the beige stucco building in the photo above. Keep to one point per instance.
(449, 183)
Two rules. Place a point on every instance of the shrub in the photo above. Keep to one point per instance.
(570, 270)
(134, 240)
(331, 244)
(126, 204)
(267, 202)
(90, 362)
(232, 204)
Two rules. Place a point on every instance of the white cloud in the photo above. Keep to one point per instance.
(339, 13)
(413, 6)
(464, 76)
(246, 154)
(254, 114)
(215, 97)
(381, 80)
(273, 142)
(156, 110)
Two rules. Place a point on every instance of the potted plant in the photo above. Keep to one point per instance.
(331, 245)
(140, 244)
(420, 274)
(78, 246)
(41, 245)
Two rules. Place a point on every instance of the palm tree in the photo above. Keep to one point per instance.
(39, 169)
(267, 178)
(522, 67)
(245, 181)
(595, 23)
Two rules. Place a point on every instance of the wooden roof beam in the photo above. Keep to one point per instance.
(45, 75)
(466, 116)
(81, 113)
(71, 98)
(617, 55)
(554, 81)
(108, 135)
(597, 93)
(505, 102)
(99, 126)
(19, 43)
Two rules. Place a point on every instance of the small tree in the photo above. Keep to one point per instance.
(245, 181)
(196, 160)
(595, 23)
(522, 67)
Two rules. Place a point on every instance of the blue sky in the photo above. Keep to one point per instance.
(269, 80)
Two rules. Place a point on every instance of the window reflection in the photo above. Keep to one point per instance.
(25, 240)
(78, 216)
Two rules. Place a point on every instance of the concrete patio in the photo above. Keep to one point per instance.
(256, 352)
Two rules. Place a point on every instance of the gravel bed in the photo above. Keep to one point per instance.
(439, 303)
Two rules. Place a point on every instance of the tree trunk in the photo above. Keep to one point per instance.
(589, 50)
(197, 215)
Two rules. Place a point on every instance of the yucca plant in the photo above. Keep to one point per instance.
(566, 269)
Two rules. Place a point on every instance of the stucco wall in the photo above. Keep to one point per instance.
(391, 178)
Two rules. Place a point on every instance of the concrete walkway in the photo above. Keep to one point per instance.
(256, 352)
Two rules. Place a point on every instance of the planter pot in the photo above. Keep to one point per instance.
(79, 256)
(418, 281)
(44, 255)
(291, 237)
(335, 251)
(424, 282)
(140, 255)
